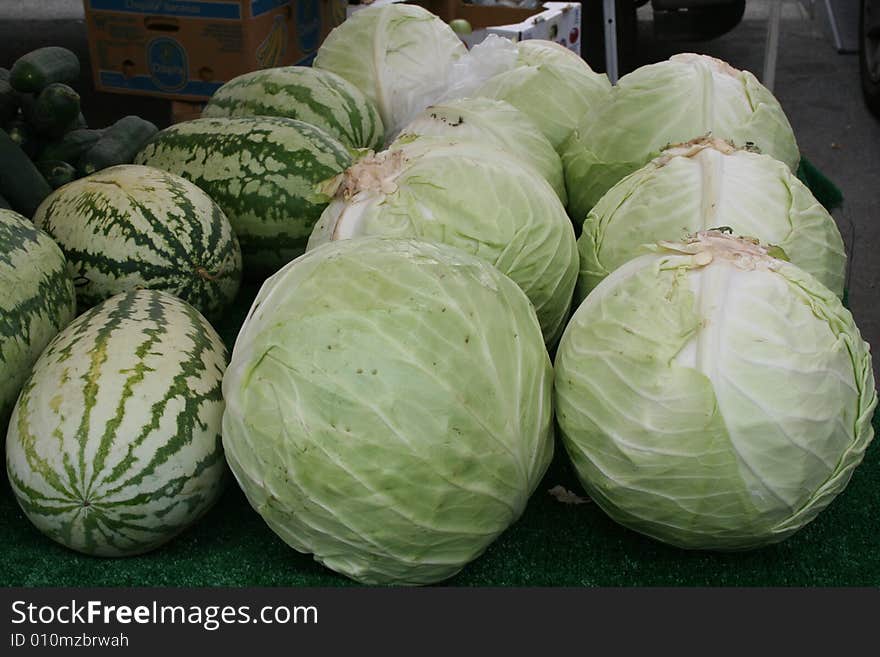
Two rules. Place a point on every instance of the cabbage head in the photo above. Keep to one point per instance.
(708, 184)
(495, 123)
(400, 56)
(552, 85)
(388, 407)
(471, 196)
(713, 397)
(671, 102)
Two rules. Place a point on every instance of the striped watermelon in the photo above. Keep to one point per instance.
(36, 301)
(318, 97)
(114, 444)
(265, 172)
(131, 226)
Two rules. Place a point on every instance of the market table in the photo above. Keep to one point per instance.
(553, 544)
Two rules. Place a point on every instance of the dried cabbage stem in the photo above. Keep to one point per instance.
(373, 173)
(696, 145)
(706, 246)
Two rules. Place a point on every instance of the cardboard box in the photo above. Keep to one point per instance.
(555, 21)
(186, 49)
(182, 110)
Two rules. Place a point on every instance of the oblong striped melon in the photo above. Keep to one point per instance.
(114, 445)
(36, 301)
(266, 173)
(308, 94)
(131, 226)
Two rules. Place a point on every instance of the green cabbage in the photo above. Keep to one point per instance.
(550, 84)
(402, 57)
(388, 407)
(471, 196)
(671, 102)
(712, 396)
(709, 184)
(495, 123)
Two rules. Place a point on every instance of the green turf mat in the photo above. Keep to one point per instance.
(552, 544)
(825, 191)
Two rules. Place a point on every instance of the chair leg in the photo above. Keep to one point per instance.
(832, 21)
(609, 18)
(771, 47)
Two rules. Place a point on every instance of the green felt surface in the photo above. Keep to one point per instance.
(552, 544)
(825, 191)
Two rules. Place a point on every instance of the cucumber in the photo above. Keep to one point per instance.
(78, 123)
(25, 107)
(20, 182)
(8, 101)
(41, 67)
(56, 173)
(118, 145)
(23, 135)
(55, 108)
(71, 146)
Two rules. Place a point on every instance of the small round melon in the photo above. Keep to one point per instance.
(460, 26)
(114, 445)
(131, 226)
